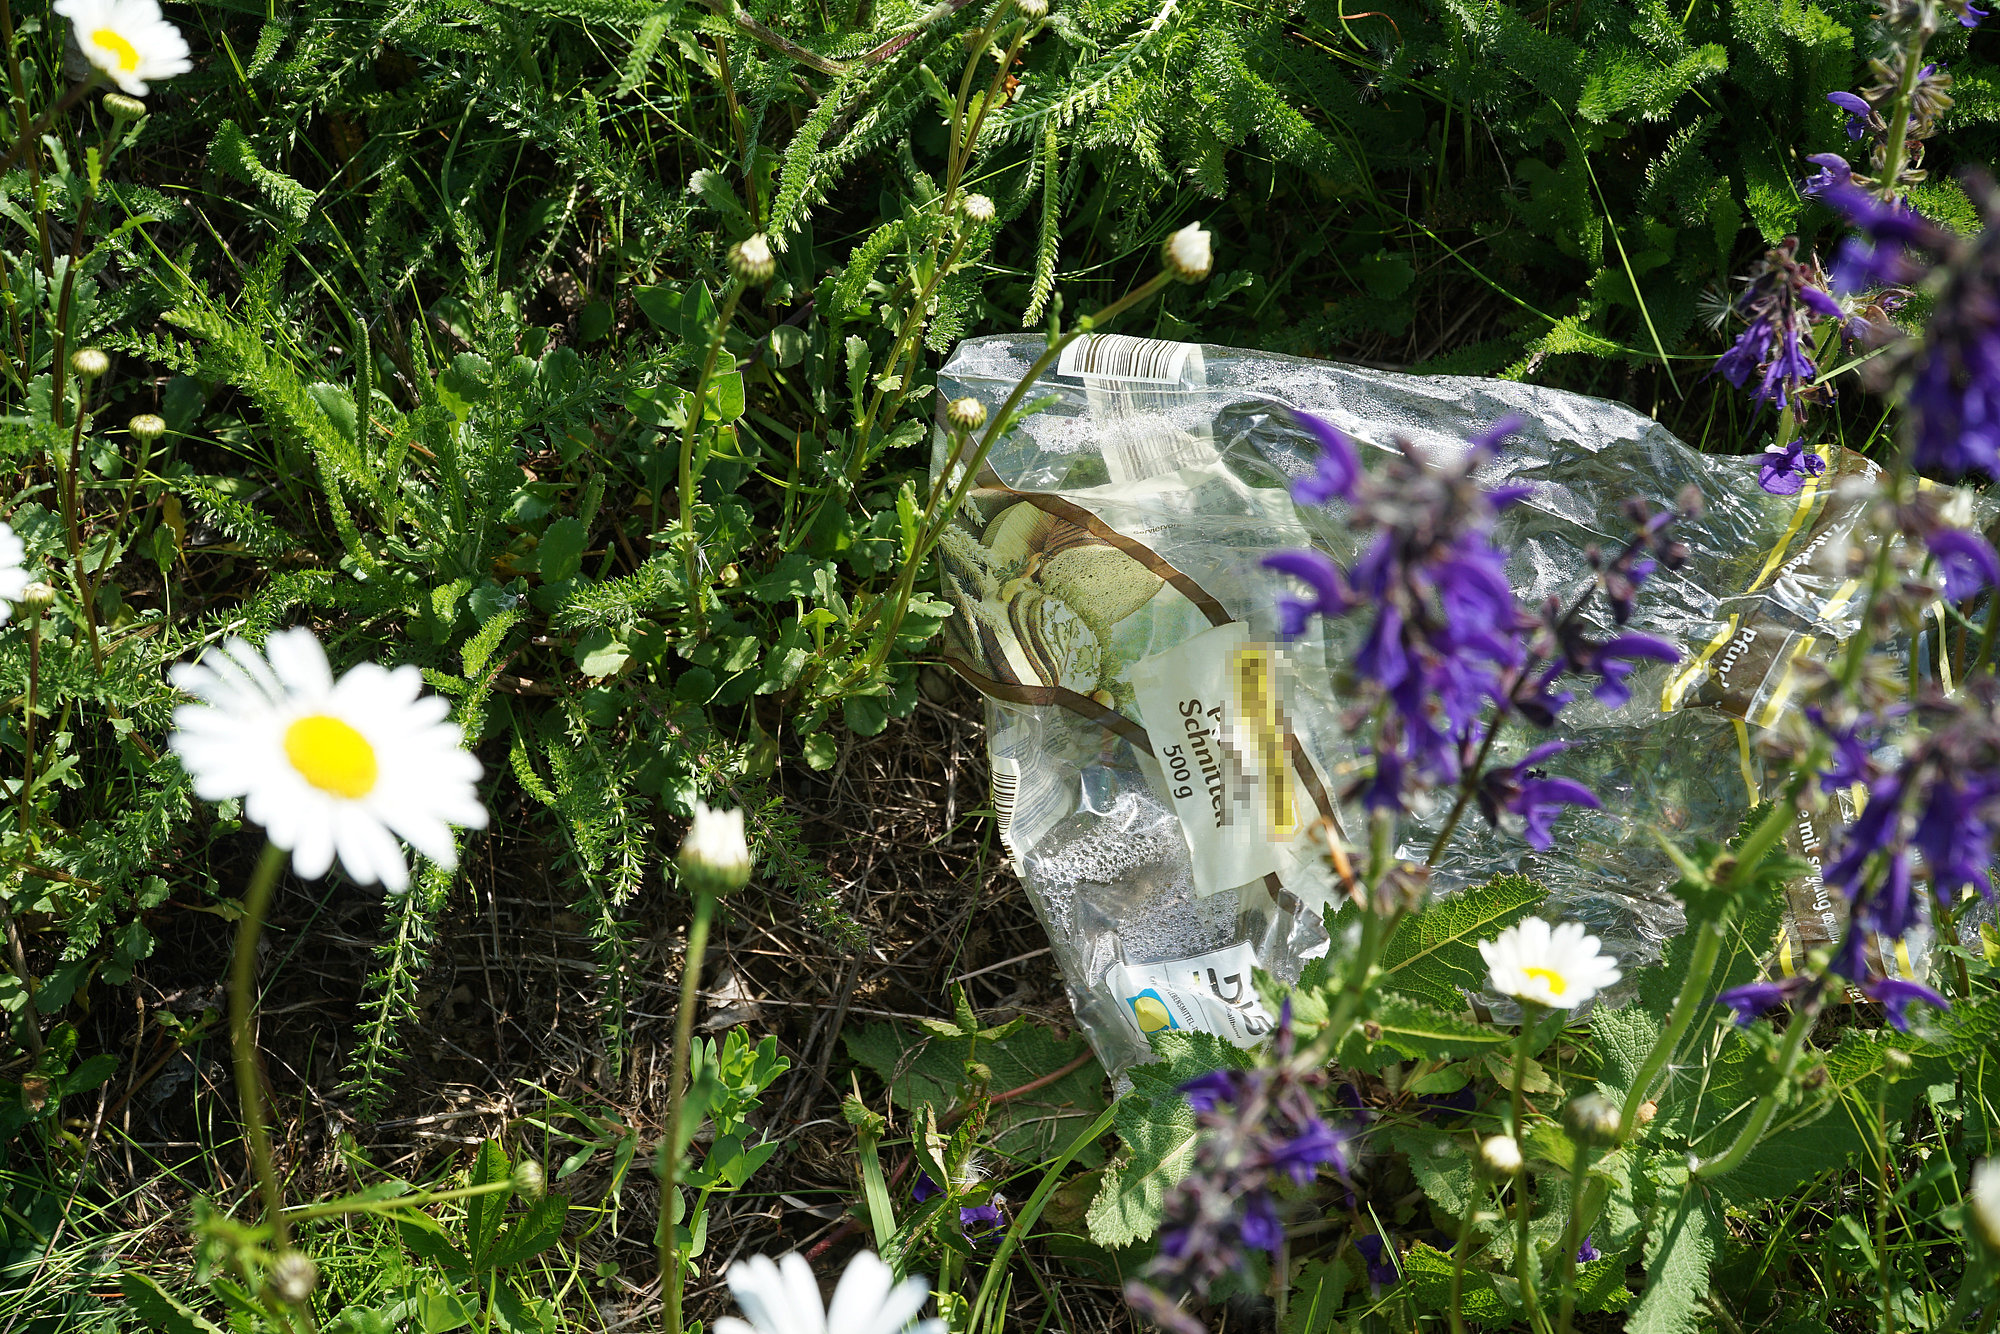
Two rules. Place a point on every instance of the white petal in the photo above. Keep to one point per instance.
(857, 1302)
(802, 1295)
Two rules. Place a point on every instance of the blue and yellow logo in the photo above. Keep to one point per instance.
(1150, 1012)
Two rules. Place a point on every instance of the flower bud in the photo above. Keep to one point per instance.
(1186, 254)
(123, 107)
(530, 1181)
(1501, 1154)
(1032, 10)
(147, 427)
(751, 260)
(1592, 1120)
(714, 857)
(37, 596)
(292, 1278)
(978, 208)
(89, 362)
(966, 414)
(1647, 1111)
(1983, 1200)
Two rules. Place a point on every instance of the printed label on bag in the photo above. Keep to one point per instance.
(1215, 708)
(1123, 357)
(1210, 993)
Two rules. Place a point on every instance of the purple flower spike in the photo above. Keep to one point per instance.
(1330, 595)
(1381, 1259)
(974, 1220)
(1215, 1089)
(1317, 1144)
(1966, 560)
(1616, 659)
(1970, 18)
(1587, 1252)
(925, 1188)
(1783, 472)
(1821, 303)
(1857, 109)
(1541, 800)
(1833, 170)
(1756, 999)
(1895, 995)
(1339, 466)
(1488, 441)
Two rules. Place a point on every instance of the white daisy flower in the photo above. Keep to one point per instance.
(327, 767)
(783, 1298)
(1556, 966)
(715, 855)
(13, 570)
(129, 41)
(1985, 1200)
(1187, 253)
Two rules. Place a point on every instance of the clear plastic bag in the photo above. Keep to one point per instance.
(1160, 754)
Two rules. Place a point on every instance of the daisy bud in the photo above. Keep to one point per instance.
(90, 362)
(37, 596)
(1032, 10)
(751, 260)
(123, 107)
(1501, 1154)
(966, 414)
(978, 208)
(293, 1277)
(147, 427)
(1186, 254)
(714, 857)
(1984, 1200)
(530, 1181)
(1592, 1120)
(1647, 1111)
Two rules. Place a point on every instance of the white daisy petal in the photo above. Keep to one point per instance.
(802, 1294)
(1561, 967)
(857, 1302)
(330, 768)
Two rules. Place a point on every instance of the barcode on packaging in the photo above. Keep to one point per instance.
(1123, 357)
(1027, 803)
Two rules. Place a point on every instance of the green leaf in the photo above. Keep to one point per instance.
(162, 1312)
(1158, 1128)
(534, 1232)
(559, 555)
(1434, 954)
(483, 1213)
(1315, 1302)
(1427, 1275)
(1414, 1030)
(922, 1070)
(1682, 1242)
(424, 1239)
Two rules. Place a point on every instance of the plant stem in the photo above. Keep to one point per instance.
(1693, 995)
(670, 1261)
(1765, 1107)
(688, 476)
(1572, 1238)
(299, 1213)
(1899, 119)
(1523, 1254)
(1458, 1257)
(1466, 786)
(242, 1002)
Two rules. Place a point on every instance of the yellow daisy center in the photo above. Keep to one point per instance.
(332, 756)
(112, 41)
(1557, 983)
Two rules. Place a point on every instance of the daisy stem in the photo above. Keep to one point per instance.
(1458, 1254)
(1523, 1255)
(1573, 1238)
(242, 1002)
(670, 1163)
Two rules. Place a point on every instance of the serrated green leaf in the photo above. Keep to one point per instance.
(1681, 1244)
(1159, 1133)
(1434, 954)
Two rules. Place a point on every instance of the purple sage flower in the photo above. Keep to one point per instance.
(1756, 999)
(1895, 996)
(1522, 789)
(1780, 297)
(1380, 1257)
(1966, 560)
(1587, 1252)
(1339, 466)
(1783, 472)
(1833, 170)
(1858, 112)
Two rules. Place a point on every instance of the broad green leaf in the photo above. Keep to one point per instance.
(1434, 954)
(1411, 1029)
(1159, 1133)
(559, 555)
(1682, 1241)
(1427, 1276)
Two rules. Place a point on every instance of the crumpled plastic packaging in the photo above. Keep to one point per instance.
(1160, 755)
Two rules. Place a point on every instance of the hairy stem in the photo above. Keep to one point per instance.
(242, 1004)
(1523, 1252)
(689, 476)
(1765, 1107)
(1693, 995)
(670, 1260)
